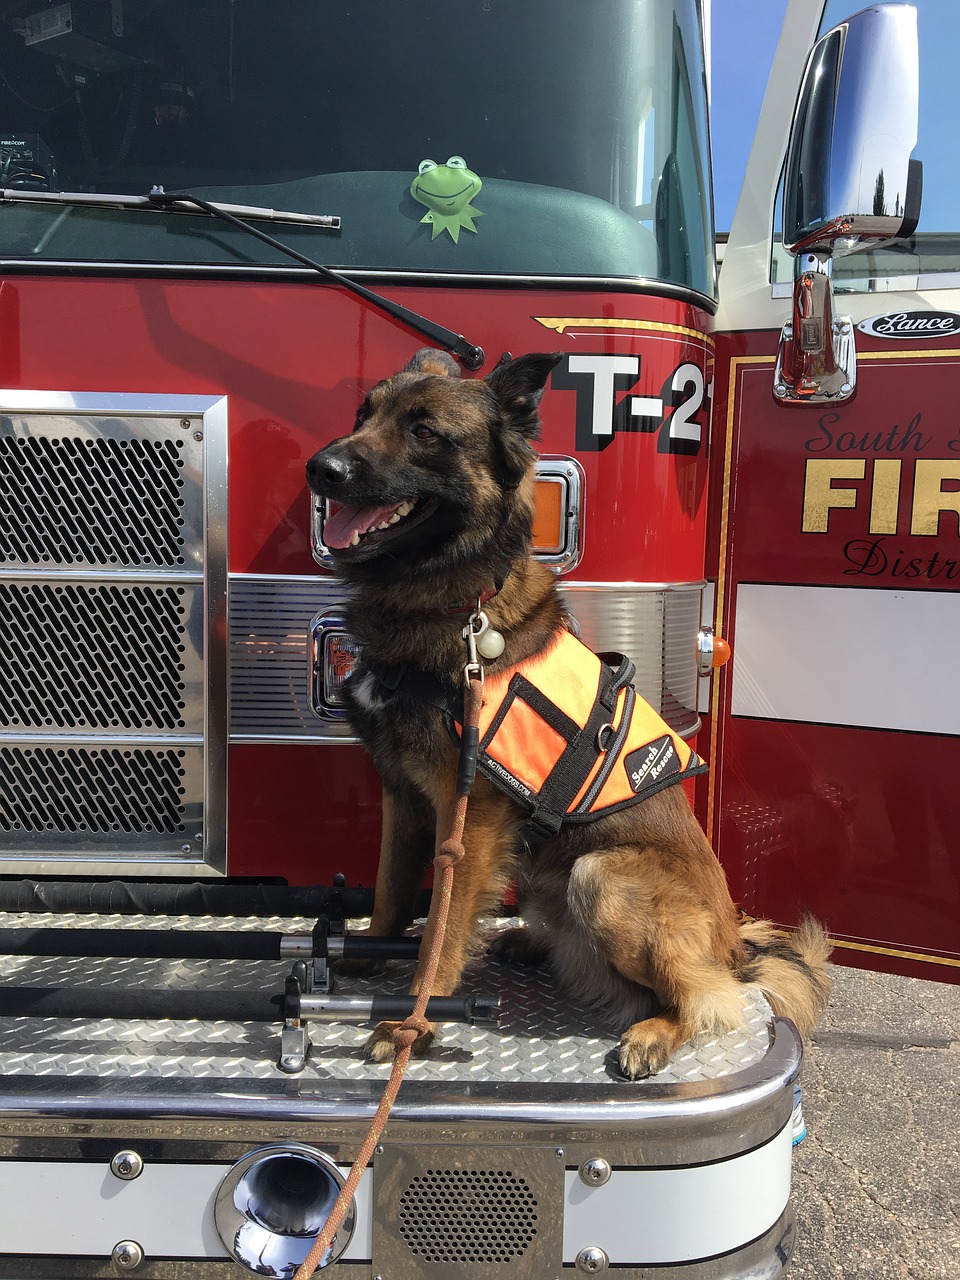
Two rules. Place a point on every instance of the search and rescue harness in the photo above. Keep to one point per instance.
(564, 733)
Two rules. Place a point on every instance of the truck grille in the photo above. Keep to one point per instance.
(105, 607)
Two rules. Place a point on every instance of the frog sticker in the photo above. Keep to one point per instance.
(446, 190)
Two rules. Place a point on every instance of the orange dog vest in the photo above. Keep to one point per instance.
(568, 737)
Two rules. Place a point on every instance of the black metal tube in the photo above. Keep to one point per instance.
(115, 1002)
(313, 1007)
(187, 898)
(156, 943)
(471, 1009)
(223, 1006)
(364, 947)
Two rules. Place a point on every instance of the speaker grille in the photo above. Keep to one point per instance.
(468, 1216)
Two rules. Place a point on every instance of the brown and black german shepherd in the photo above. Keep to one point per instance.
(432, 505)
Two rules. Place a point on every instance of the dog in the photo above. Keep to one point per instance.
(431, 500)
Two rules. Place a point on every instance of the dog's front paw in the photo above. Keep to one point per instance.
(381, 1046)
(518, 946)
(644, 1049)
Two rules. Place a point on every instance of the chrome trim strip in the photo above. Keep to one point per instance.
(83, 737)
(319, 739)
(109, 403)
(139, 868)
(101, 575)
(626, 284)
(271, 619)
(697, 585)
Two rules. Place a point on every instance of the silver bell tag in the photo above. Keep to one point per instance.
(491, 644)
(482, 638)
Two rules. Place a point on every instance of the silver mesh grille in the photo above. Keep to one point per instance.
(468, 1216)
(69, 498)
(95, 656)
(111, 791)
(106, 599)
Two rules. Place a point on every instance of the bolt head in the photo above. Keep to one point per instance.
(127, 1165)
(127, 1254)
(594, 1172)
(592, 1260)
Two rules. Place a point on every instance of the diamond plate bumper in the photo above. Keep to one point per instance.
(537, 1099)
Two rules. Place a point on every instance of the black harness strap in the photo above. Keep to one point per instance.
(612, 748)
(413, 682)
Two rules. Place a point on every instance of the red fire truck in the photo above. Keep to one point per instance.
(221, 221)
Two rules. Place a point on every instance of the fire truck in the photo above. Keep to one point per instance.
(221, 222)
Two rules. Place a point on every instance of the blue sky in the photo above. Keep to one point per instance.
(745, 34)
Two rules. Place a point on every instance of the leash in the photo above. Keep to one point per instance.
(450, 852)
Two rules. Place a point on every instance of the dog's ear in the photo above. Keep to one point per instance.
(429, 360)
(519, 385)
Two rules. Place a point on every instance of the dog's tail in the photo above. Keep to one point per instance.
(791, 969)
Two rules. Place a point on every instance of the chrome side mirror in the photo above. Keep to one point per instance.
(850, 184)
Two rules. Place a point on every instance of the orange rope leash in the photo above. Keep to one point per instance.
(414, 1026)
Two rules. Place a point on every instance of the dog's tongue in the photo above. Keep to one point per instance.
(339, 528)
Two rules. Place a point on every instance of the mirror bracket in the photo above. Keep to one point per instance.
(816, 358)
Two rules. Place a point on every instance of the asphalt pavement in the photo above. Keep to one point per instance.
(876, 1182)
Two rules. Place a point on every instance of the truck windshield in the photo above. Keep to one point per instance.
(492, 137)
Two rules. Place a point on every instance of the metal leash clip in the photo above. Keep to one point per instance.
(481, 638)
(475, 628)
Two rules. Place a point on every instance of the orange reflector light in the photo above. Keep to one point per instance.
(721, 651)
(549, 514)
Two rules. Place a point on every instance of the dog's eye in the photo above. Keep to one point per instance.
(423, 432)
(361, 417)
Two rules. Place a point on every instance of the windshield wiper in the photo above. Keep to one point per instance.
(175, 204)
(470, 355)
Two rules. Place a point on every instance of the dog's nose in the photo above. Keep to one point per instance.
(327, 470)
